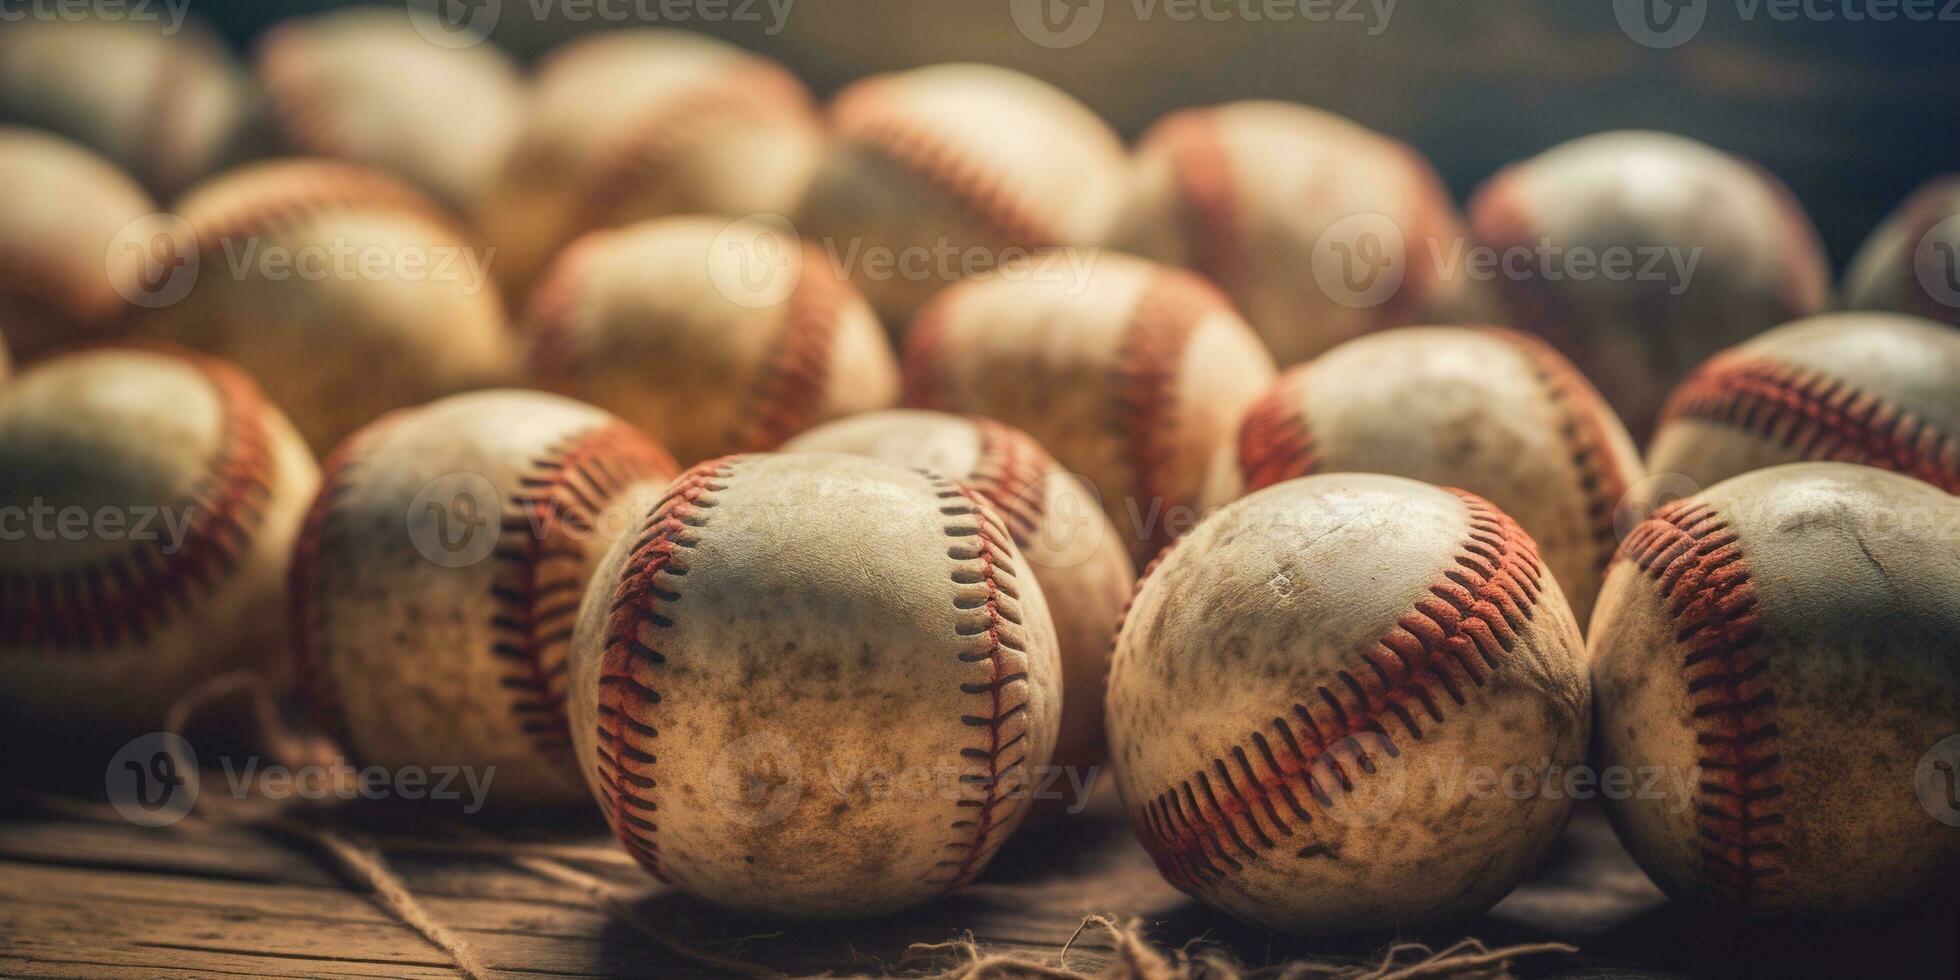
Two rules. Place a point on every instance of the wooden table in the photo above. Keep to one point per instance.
(102, 898)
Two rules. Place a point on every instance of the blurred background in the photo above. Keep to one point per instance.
(1853, 102)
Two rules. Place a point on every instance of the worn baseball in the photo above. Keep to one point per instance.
(1911, 261)
(1348, 703)
(860, 748)
(1084, 571)
(345, 291)
(363, 84)
(168, 106)
(157, 495)
(714, 336)
(1489, 410)
(1783, 645)
(948, 171)
(1882, 389)
(1132, 374)
(439, 573)
(634, 124)
(1640, 254)
(1318, 228)
(65, 217)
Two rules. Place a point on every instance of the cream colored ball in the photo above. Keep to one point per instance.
(1780, 648)
(1349, 703)
(153, 498)
(439, 574)
(857, 749)
(690, 329)
(1910, 263)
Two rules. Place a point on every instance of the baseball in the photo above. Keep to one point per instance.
(1493, 411)
(64, 215)
(1083, 569)
(161, 493)
(668, 324)
(1256, 195)
(344, 290)
(1911, 261)
(168, 107)
(1882, 389)
(439, 572)
(363, 85)
(1640, 254)
(903, 680)
(1785, 639)
(1319, 692)
(1138, 392)
(627, 125)
(939, 172)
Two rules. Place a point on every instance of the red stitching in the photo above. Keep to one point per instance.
(300, 110)
(982, 539)
(1460, 632)
(1148, 362)
(307, 188)
(648, 589)
(132, 595)
(553, 311)
(869, 114)
(1817, 416)
(790, 393)
(923, 373)
(1696, 559)
(1009, 474)
(303, 620)
(752, 87)
(1274, 443)
(544, 522)
(1208, 196)
(1581, 413)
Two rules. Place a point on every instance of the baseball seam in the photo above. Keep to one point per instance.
(1149, 360)
(1704, 581)
(987, 614)
(1602, 483)
(1207, 196)
(1817, 416)
(327, 188)
(144, 589)
(565, 490)
(1274, 442)
(303, 113)
(642, 601)
(872, 117)
(791, 392)
(750, 88)
(1211, 824)
(1009, 474)
(552, 317)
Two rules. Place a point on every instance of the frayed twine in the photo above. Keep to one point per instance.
(1136, 958)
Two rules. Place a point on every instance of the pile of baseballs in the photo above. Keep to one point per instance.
(550, 423)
